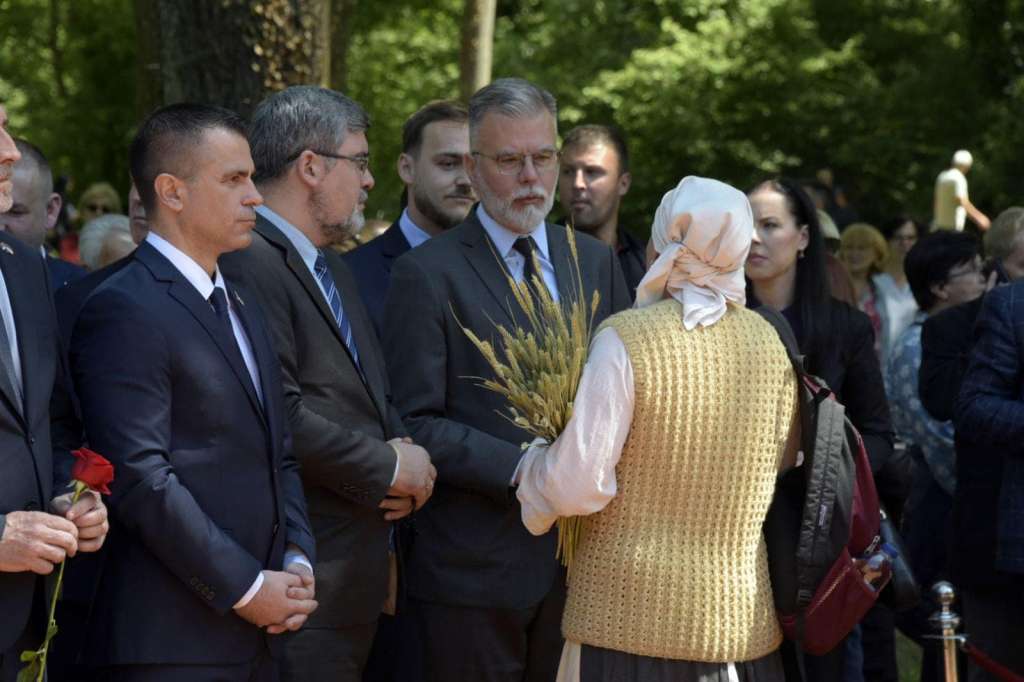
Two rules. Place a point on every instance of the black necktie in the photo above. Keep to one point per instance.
(526, 246)
(219, 300)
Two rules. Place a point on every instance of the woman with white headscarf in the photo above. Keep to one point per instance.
(684, 415)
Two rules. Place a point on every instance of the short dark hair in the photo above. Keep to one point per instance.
(929, 261)
(35, 155)
(432, 112)
(592, 134)
(164, 141)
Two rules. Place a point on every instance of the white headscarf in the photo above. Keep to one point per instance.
(702, 233)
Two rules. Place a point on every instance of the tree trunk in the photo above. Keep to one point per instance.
(342, 15)
(148, 85)
(230, 52)
(477, 46)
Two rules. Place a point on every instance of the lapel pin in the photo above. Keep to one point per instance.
(6, 248)
(238, 298)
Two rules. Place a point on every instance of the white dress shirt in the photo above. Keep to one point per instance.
(413, 233)
(308, 252)
(504, 239)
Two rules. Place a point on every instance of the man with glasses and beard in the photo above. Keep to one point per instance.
(438, 196)
(359, 470)
(487, 596)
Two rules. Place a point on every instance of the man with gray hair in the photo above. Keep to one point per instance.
(35, 211)
(360, 471)
(486, 595)
(952, 206)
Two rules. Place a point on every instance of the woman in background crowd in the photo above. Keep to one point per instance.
(891, 284)
(786, 271)
(864, 252)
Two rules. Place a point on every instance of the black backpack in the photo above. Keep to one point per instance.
(824, 513)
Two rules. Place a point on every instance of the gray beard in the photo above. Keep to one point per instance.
(335, 233)
(501, 210)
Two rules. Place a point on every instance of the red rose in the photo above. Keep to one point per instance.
(93, 470)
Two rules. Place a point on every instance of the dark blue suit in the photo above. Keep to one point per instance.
(62, 272)
(27, 458)
(990, 409)
(371, 265)
(206, 493)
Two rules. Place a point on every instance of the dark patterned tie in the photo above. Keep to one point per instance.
(326, 280)
(526, 247)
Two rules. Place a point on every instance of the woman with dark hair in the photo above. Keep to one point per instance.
(786, 272)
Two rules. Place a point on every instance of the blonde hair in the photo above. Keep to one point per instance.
(864, 235)
(1001, 239)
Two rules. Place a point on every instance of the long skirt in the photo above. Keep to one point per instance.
(607, 665)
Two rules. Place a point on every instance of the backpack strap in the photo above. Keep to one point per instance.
(786, 335)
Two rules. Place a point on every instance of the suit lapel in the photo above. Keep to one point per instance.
(262, 353)
(184, 293)
(295, 263)
(561, 260)
(489, 266)
(22, 310)
(362, 334)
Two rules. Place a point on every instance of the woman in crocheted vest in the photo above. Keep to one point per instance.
(684, 416)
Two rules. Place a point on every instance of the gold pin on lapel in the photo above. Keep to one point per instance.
(6, 248)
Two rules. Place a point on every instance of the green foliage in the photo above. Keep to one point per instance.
(880, 91)
(78, 106)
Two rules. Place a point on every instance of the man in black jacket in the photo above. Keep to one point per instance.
(359, 471)
(486, 594)
(33, 541)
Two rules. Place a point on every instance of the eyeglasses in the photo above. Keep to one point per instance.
(98, 208)
(974, 269)
(513, 164)
(361, 162)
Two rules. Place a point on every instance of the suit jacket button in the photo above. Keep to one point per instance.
(276, 526)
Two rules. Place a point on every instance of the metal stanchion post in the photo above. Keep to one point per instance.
(946, 622)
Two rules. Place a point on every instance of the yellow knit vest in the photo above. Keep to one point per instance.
(675, 566)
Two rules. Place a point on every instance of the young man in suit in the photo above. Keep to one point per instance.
(33, 541)
(438, 197)
(359, 471)
(180, 388)
(486, 594)
(35, 211)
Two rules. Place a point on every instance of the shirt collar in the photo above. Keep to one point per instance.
(504, 238)
(191, 270)
(303, 244)
(413, 233)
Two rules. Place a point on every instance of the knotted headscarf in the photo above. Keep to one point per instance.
(702, 232)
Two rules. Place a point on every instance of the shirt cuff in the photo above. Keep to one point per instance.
(296, 556)
(247, 597)
(398, 460)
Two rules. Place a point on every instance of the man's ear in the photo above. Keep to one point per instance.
(406, 168)
(53, 205)
(625, 180)
(309, 168)
(170, 191)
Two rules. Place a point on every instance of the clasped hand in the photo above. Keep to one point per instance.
(415, 481)
(37, 541)
(284, 601)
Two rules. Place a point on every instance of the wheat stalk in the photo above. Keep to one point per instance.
(537, 368)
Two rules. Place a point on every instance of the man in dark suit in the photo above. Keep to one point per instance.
(35, 211)
(487, 595)
(32, 541)
(593, 178)
(180, 388)
(358, 469)
(438, 197)
(990, 408)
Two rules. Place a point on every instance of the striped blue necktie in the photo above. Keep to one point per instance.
(323, 275)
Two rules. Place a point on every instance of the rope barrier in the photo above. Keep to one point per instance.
(983, 661)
